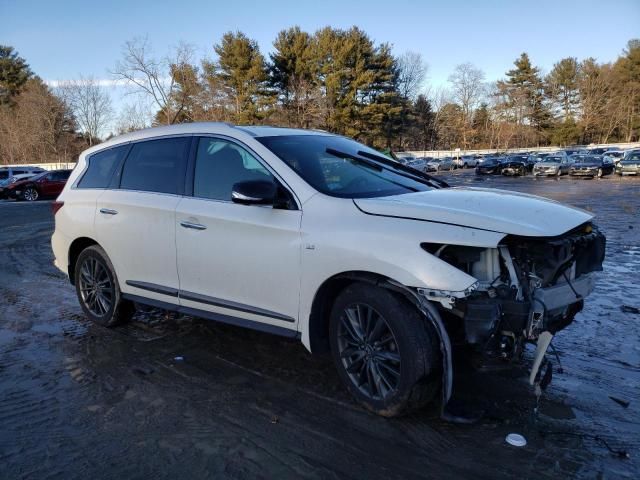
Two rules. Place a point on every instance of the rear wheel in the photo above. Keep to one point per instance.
(386, 353)
(98, 289)
(30, 194)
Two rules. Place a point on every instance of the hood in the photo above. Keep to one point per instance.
(482, 208)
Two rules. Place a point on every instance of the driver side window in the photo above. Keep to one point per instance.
(220, 165)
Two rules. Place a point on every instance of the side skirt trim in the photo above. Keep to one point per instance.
(216, 302)
(217, 317)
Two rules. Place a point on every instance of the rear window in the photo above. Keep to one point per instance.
(156, 166)
(101, 167)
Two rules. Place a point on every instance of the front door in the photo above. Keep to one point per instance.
(242, 261)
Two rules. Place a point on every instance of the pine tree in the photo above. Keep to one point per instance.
(241, 74)
(14, 73)
(562, 86)
(293, 74)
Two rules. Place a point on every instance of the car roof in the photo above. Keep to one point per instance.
(195, 128)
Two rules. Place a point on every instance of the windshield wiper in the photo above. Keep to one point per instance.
(367, 163)
(398, 166)
(383, 163)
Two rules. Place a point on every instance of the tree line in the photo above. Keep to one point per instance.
(338, 80)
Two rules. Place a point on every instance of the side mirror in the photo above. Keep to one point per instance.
(254, 192)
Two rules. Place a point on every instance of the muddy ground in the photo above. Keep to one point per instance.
(80, 401)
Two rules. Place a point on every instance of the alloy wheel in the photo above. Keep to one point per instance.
(369, 351)
(31, 194)
(96, 288)
(599, 173)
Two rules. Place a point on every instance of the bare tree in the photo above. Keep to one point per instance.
(412, 72)
(133, 116)
(468, 89)
(90, 104)
(159, 79)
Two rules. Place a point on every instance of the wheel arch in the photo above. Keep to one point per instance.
(327, 292)
(323, 302)
(76, 247)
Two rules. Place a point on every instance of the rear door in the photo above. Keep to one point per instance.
(237, 260)
(135, 220)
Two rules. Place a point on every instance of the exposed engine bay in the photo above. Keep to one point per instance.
(525, 286)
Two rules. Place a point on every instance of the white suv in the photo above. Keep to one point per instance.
(315, 236)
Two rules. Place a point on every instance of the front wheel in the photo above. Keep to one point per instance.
(386, 353)
(30, 194)
(600, 173)
(98, 289)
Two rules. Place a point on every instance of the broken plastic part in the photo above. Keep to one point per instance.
(541, 348)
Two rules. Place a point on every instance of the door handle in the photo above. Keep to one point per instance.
(194, 226)
(108, 211)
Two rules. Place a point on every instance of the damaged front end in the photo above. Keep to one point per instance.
(527, 290)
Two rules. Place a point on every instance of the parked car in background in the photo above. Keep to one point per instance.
(10, 181)
(8, 172)
(380, 265)
(614, 155)
(466, 161)
(418, 163)
(590, 166)
(489, 166)
(404, 158)
(630, 165)
(597, 150)
(515, 165)
(439, 164)
(628, 153)
(552, 165)
(45, 185)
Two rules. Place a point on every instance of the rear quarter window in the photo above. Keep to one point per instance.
(156, 166)
(101, 167)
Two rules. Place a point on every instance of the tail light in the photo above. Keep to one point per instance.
(55, 206)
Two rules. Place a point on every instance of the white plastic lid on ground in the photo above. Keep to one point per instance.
(516, 440)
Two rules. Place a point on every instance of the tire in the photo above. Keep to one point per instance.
(30, 194)
(600, 173)
(465, 166)
(559, 173)
(397, 369)
(104, 306)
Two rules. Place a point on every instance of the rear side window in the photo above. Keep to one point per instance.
(101, 167)
(4, 174)
(156, 166)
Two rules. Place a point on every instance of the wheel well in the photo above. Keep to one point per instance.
(323, 302)
(77, 246)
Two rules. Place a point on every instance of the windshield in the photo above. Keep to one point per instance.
(634, 158)
(552, 160)
(327, 163)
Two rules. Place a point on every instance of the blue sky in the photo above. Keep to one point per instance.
(65, 39)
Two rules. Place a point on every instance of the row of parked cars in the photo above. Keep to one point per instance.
(594, 162)
(31, 183)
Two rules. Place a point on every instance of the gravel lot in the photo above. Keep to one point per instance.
(80, 401)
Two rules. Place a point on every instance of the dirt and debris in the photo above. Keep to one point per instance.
(629, 309)
(81, 401)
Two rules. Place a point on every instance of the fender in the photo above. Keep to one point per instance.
(430, 312)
